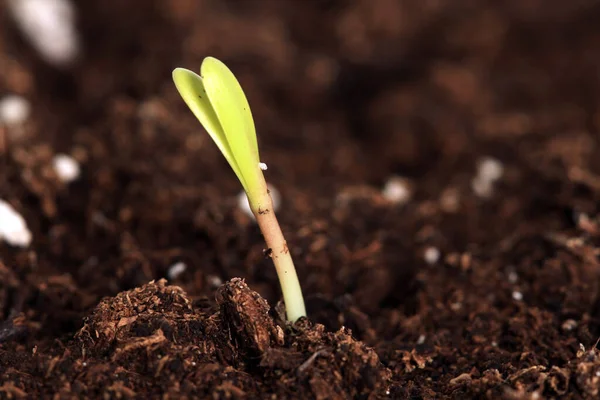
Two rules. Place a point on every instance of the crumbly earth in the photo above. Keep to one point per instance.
(472, 288)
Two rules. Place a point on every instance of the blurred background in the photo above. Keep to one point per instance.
(393, 85)
(418, 104)
(437, 163)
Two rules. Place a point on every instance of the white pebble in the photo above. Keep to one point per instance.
(244, 205)
(50, 27)
(481, 187)
(569, 325)
(66, 168)
(13, 229)
(214, 281)
(421, 339)
(14, 110)
(431, 255)
(518, 296)
(513, 277)
(262, 166)
(490, 169)
(396, 190)
(176, 270)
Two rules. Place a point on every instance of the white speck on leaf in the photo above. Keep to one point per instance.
(262, 166)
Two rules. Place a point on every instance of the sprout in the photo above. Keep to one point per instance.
(218, 101)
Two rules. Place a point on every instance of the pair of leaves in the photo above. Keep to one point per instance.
(218, 101)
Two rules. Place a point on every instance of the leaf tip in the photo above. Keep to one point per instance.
(176, 72)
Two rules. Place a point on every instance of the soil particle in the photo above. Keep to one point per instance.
(246, 317)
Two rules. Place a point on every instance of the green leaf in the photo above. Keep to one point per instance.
(192, 90)
(233, 111)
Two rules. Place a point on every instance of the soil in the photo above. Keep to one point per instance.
(345, 95)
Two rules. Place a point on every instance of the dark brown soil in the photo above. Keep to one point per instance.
(345, 94)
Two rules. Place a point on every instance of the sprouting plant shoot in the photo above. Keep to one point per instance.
(218, 101)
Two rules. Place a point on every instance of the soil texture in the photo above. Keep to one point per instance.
(145, 280)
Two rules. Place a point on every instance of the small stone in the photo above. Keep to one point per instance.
(481, 187)
(66, 168)
(214, 281)
(569, 325)
(397, 190)
(490, 169)
(176, 270)
(244, 205)
(431, 255)
(14, 110)
(516, 295)
(50, 27)
(13, 229)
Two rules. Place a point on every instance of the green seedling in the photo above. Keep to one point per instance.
(218, 101)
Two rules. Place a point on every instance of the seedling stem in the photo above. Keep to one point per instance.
(218, 101)
(262, 209)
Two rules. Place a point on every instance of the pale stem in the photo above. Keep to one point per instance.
(278, 250)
